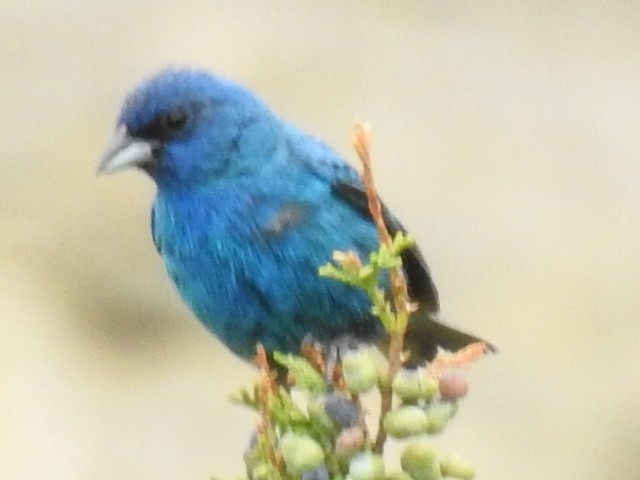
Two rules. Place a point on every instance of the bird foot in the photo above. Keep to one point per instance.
(336, 350)
(327, 357)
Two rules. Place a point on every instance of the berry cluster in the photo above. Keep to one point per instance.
(325, 435)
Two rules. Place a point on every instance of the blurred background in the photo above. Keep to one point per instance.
(505, 137)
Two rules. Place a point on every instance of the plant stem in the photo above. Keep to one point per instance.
(399, 290)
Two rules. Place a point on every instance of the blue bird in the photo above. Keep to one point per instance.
(247, 208)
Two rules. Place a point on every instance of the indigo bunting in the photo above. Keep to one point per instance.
(247, 208)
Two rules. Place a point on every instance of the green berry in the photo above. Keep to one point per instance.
(428, 387)
(359, 370)
(300, 452)
(398, 476)
(405, 421)
(439, 414)
(411, 384)
(456, 467)
(420, 461)
(366, 466)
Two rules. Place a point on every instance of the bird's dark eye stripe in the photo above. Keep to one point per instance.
(163, 127)
(174, 121)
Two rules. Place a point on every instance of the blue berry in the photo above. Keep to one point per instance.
(342, 410)
(318, 473)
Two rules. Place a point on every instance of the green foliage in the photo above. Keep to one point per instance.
(304, 374)
(347, 268)
(244, 397)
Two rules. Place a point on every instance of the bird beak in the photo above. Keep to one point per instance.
(123, 152)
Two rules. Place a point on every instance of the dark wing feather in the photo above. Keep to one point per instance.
(153, 230)
(421, 286)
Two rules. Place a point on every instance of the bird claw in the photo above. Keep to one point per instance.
(336, 350)
(326, 357)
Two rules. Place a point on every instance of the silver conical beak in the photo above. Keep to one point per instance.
(124, 152)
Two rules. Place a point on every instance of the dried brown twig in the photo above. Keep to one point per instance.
(267, 388)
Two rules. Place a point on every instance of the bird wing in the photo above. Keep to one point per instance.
(421, 286)
(347, 186)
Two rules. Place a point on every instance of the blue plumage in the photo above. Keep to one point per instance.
(247, 209)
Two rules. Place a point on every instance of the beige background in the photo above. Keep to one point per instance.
(506, 137)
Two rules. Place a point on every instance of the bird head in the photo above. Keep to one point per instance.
(187, 128)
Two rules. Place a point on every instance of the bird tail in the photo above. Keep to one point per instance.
(425, 335)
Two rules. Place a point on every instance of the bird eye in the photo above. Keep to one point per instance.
(174, 122)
